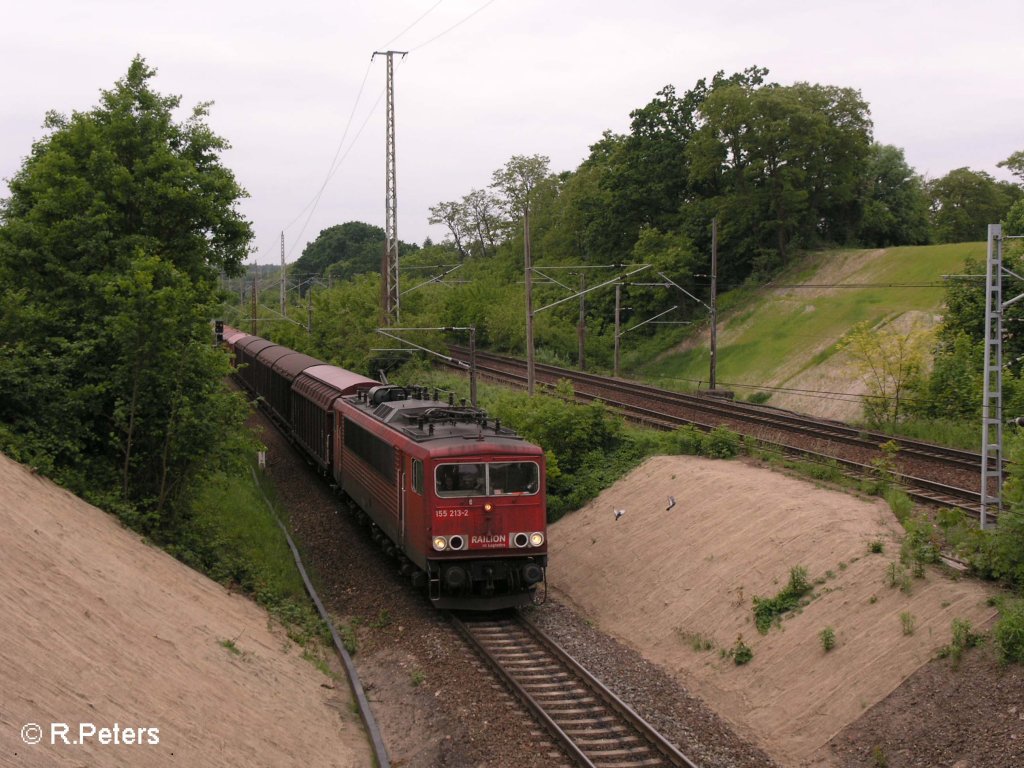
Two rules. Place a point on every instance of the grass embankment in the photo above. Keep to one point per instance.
(770, 335)
(234, 539)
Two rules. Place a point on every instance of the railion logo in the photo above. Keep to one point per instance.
(489, 541)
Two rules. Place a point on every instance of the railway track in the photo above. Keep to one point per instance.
(931, 474)
(594, 727)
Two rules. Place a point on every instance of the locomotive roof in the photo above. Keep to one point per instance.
(425, 420)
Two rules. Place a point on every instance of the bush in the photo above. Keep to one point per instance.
(1008, 633)
(768, 609)
(920, 546)
(898, 501)
(898, 576)
(828, 639)
(686, 441)
(907, 621)
(721, 443)
(963, 638)
(999, 554)
(741, 652)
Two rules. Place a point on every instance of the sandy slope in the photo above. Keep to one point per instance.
(98, 628)
(735, 532)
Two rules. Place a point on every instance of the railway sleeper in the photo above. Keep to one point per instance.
(633, 763)
(533, 678)
(598, 754)
(593, 725)
(554, 698)
(528, 670)
(528, 665)
(606, 742)
(518, 658)
(573, 711)
(569, 706)
(558, 685)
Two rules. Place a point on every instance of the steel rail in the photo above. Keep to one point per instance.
(624, 739)
(920, 489)
(660, 742)
(745, 411)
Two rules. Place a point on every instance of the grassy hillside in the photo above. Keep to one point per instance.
(781, 339)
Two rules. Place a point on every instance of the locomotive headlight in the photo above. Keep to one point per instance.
(440, 543)
(536, 539)
(487, 507)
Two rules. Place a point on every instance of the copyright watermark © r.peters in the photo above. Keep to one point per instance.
(77, 734)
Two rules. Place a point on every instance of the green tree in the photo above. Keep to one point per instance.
(1015, 216)
(116, 227)
(453, 216)
(953, 388)
(965, 308)
(895, 206)
(965, 202)
(781, 167)
(345, 250)
(517, 181)
(890, 362)
(644, 177)
(484, 223)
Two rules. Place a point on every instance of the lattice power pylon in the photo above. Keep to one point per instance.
(992, 389)
(389, 265)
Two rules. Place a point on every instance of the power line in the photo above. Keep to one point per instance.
(452, 27)
(425, 13)
(335, 161)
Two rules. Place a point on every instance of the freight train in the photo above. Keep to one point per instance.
(457, 497)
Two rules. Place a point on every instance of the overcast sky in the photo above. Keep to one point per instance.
(294, 86)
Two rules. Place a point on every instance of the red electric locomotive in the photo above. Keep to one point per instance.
(457, 497)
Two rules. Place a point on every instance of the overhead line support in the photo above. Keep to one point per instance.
(389, 263)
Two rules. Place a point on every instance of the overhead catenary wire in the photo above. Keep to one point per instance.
(339, 157)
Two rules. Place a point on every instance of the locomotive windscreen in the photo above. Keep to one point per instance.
(492, 479)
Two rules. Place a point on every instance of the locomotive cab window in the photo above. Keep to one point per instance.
(417, 475)
(513, 477)
(461, 480)
(494, 479)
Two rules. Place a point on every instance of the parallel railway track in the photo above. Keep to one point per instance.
(931, 474)
(594, 727)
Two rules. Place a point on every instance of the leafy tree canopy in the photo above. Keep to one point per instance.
(121, 178)
(116, 227)
(346, 250)
(895, 203)
(965, 202)
(1015, 216)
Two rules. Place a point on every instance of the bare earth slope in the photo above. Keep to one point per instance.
(97, 628)
(735, 532)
